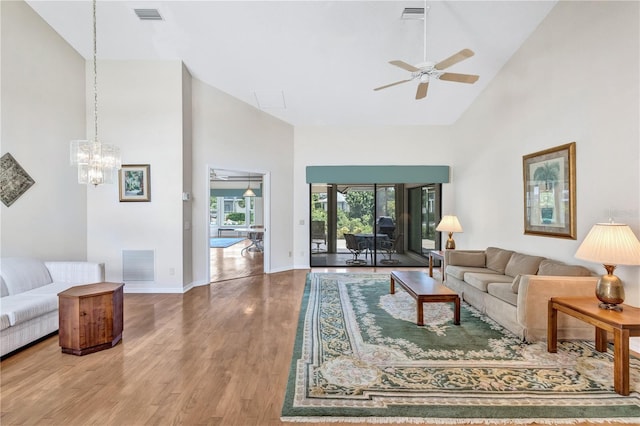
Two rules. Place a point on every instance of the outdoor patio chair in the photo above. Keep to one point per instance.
(356, 248)
(388, 248)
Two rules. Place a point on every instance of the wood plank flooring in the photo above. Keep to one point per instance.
(217, 355)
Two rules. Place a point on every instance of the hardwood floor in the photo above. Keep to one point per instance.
(230, 262)
(217, 355)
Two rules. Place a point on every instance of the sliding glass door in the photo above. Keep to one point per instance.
(365, 224)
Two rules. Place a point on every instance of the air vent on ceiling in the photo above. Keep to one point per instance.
(148, 14)
(413, 13)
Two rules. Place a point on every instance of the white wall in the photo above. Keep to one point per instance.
(390, 145)
(575, 79)
(141, 111)
(43, 102)
(230, 134)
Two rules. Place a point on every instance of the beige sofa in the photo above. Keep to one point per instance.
(514, 289)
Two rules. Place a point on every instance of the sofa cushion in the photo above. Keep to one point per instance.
(21, 274)
(482, 280)
(503, 292)
(523, 264)
(555, 268)
(21, 307)
(515, 284)
(459, 271)
(463, 258)
(497, 259)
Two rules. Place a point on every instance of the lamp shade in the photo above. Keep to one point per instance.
(610, 244)
(449, 223)
(249, 193)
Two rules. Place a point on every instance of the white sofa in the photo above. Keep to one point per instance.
(29, 296)
(514, 289)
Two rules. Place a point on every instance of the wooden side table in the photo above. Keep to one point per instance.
(438, 254)
(621, 324)
(91, 317)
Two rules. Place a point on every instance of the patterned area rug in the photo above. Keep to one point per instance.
(360, 357)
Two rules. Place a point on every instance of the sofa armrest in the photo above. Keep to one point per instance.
(533, 299)
(76, 272)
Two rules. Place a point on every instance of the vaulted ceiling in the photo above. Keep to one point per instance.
(312, 62)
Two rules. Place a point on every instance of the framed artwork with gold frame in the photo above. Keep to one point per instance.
(134, 182)
(550, 192)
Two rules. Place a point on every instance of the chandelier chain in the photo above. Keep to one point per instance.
(95, 72)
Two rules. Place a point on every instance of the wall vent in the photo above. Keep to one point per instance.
(148, 14)
(138, 265)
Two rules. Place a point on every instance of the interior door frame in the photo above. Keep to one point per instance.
(266, 205)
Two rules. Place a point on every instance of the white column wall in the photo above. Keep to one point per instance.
(141, 111)
(230, 134)
(43, 103)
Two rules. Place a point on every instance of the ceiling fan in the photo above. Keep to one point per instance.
(426, 71)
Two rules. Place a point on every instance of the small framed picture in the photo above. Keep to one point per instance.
(135, 182)
(550, 192)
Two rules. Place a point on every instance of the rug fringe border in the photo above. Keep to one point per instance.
(442, 421)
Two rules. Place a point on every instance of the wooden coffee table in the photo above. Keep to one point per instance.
(621, 324)
(425, 290)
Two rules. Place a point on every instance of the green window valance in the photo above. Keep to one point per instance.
(377, 174)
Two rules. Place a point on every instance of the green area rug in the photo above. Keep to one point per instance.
(359, 357)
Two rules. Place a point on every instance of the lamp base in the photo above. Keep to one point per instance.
(610, 306)
(609, 290)
(451, 245)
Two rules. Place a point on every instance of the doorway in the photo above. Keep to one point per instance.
(236, 228)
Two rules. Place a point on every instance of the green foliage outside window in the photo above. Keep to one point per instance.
(237, 218)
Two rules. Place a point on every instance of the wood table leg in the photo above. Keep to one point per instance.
(456, 317)
(552, 328)
(601, 340)
(392, 288)
(420, 319)
(430, 265)
(621, 361)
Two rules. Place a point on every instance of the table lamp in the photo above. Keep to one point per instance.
(611, 244)
(449, 224)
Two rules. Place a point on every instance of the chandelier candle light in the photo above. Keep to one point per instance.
(611, 244)
(97, 162)
(449, 224)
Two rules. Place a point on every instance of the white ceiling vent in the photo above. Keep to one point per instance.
(413, 13)
(148, 14)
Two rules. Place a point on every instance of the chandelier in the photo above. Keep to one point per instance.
(97, 162)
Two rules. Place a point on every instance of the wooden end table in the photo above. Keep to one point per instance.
(438, 254)
(425, 289)
(622, 324)
(91, 317)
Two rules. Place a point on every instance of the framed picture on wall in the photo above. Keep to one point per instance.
(550, 192)
(134, 182)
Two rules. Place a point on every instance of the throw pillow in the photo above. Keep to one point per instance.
(523, 264)
(467, 258)
(497, 259)
(554, 268)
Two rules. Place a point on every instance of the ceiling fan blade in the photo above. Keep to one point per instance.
(422, 90)
(454, 59)
(460, 78)
(404, 66)
(392, 84)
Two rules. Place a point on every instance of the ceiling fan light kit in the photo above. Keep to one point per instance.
(426, 71)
